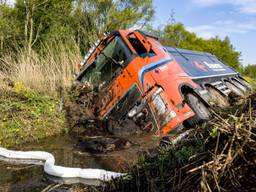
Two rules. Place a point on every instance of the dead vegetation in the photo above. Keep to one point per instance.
(218, 156)
(46, 72)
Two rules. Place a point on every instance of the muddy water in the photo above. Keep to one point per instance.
(27, 177)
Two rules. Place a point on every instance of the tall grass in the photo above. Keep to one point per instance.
(46, 71)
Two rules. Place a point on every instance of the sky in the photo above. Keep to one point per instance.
(209, 18)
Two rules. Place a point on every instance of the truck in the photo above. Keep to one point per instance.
(156, 88)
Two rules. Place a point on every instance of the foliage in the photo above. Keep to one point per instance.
(214, 132)
(251, 81)
(30, 23)
(8, 27)
(176, 35)
(250, 70)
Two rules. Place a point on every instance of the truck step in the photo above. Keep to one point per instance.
(176, 139)
(221, 87)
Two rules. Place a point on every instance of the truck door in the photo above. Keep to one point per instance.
(140, 44)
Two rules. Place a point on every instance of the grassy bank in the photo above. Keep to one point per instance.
(27, 116)
(31, 85)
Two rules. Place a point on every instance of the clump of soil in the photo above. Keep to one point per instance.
(83, 110)
(82, 114)
(103, 144)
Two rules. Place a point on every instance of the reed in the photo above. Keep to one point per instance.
(46, 71)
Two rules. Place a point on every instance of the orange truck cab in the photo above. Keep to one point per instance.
(150, 86)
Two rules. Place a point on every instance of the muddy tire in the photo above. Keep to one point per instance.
(218, 98)
(235, 90)
(246, 84)
(200, 109)
(239, 85)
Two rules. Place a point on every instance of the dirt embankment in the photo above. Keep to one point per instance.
(217, 156)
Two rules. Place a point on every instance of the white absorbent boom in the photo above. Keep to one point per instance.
(59, 171)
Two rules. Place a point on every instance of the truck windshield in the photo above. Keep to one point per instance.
(106, 64)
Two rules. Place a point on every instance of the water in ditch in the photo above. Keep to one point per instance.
(27, 177)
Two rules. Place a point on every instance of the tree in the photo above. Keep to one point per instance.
(176, 35)
(42, 20)
(250, 70)
(110, 15)
(9, 30)
(36, 22)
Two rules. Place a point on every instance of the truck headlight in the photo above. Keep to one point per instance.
(132, 112)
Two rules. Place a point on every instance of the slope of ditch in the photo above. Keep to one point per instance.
(217, 156)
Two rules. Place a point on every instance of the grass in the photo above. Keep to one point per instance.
(31, 85)
(27, 116)
(46, 72)
(251, 81)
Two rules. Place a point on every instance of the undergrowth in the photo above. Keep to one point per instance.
(251, 81)
(27, 116)
(217, 156)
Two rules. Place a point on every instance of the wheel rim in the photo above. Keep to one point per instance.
(202, 110)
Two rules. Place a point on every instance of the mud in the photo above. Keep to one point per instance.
(102, 144)
(91, 133)
(82, 106)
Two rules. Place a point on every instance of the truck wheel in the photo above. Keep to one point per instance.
(240, 86)
(234, 89)
(217, 98)
(201, 111)
(246, 84)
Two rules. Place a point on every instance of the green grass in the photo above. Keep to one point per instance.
(27, 116)
(252, 81)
